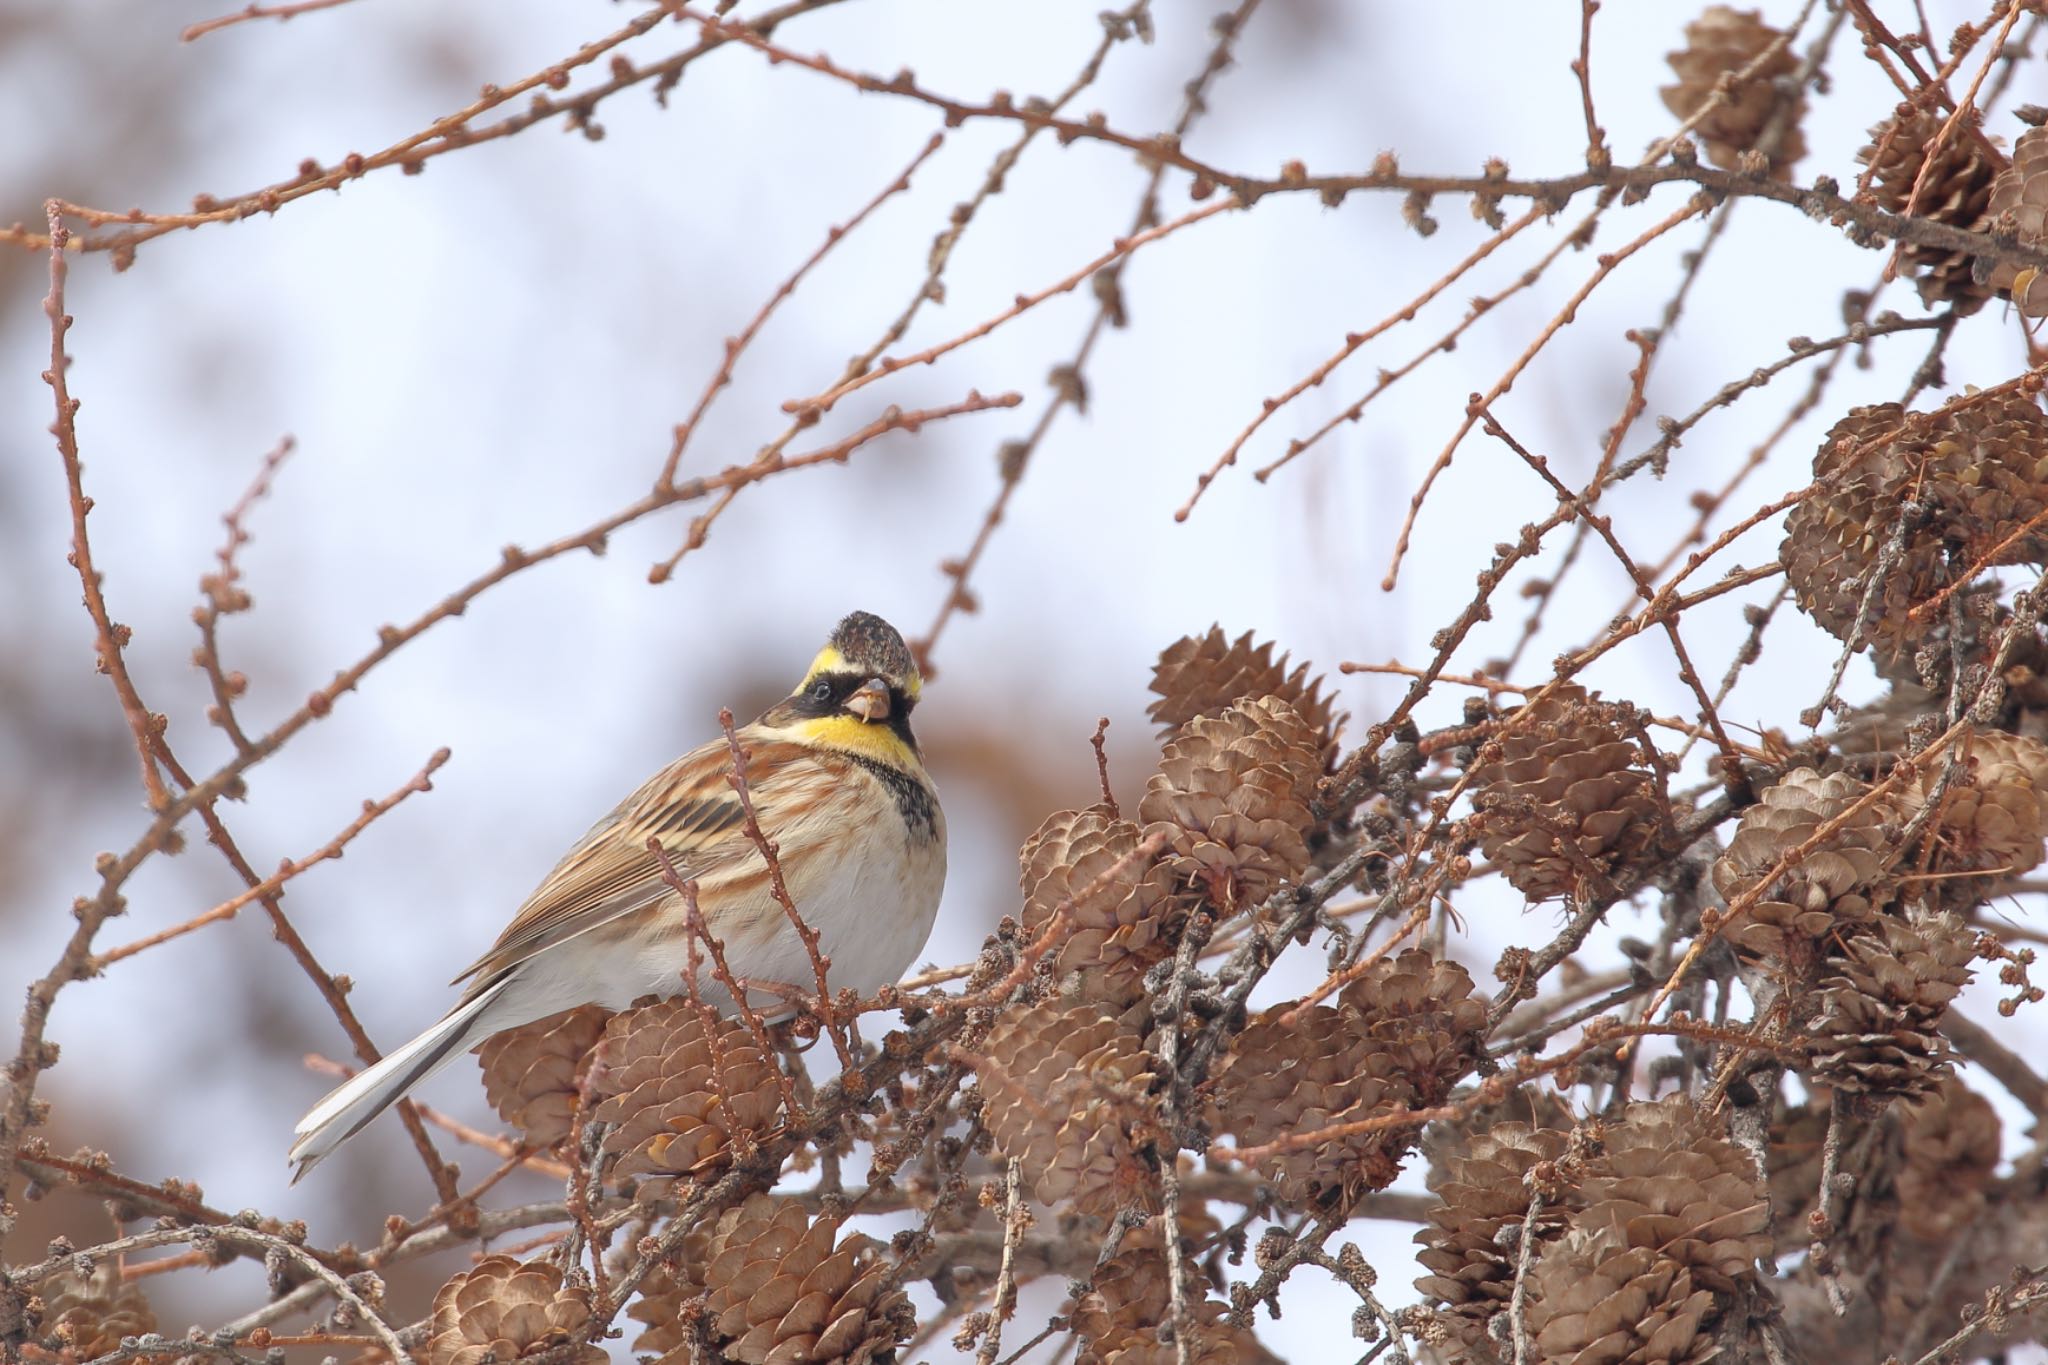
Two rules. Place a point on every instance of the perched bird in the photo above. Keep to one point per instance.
(837, 784)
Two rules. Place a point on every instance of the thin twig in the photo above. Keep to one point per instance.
(194, 32)
(1005, 1303)
(1525, 1246)
(109, 637)
(289, 869)
(698, 931)
(1605, 266)
(533, 96)
(737, 345)
(845, 1033)
(220, 594)
(818, 404)
(1102, 767)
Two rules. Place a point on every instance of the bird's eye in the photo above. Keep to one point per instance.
(821, 690)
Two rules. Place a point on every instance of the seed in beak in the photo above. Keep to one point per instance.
(870, 701)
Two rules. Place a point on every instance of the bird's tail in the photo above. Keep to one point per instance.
(367, 1094)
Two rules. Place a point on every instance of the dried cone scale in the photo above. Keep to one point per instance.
(777, 1287)
(1397, 1038)
(1065, 1086)
(531, 1073)
(681, 1092)
(1119, 907)
(1202, 676)
(1564, 774)
(1726, 42)
(87, 1315)
(1233, 797)
(1645, 1237)
(502, 1309)
(1954, 189)
(1828, 887)
(2019, 205)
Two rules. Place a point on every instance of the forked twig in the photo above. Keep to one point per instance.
(289, 869)
(844, 1031)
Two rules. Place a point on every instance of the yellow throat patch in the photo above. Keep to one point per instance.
(850, 734)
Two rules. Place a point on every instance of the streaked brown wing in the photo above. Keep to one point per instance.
(691, 808)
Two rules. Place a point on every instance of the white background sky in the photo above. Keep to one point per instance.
(495, 351)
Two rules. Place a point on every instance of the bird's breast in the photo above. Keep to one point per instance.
(864, 858)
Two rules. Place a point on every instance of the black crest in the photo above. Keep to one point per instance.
(872, 645)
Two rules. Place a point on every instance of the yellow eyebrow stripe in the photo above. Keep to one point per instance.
(829, 660)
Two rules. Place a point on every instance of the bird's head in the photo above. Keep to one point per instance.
(858, 693)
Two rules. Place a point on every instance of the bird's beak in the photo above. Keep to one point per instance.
(871, 701)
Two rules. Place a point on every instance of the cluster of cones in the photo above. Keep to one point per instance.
(1733, 74)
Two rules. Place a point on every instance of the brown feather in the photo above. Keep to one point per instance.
(691, 806)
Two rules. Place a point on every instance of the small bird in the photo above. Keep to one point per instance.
(837, 784)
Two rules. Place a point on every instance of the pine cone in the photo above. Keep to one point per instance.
(1973, 466)
(501, 1309)
(1066, 1088)
(1653, 1203)
(1987, 475)
(1234, 795)
(1829, 887)
(775, 1285)
(1994, 815)
(1951, 1150)
(1956, 191)
(1118, 1322)
(1720, 42)
(1669, 1182)
(681, 1096)
(1663, 1250)
(1422, 1013)
(1833, 539)
(1564, 768)
(1398, 1038)
(2019, 205)
(1879, 1027)
(530, 1073)
(1600, 1301)
(1470, 1247)
(1202, 677)
(87, 1315)
(1119, 929)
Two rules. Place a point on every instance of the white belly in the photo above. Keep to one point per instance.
(872, 907)
(873, 910)
(873, 913)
